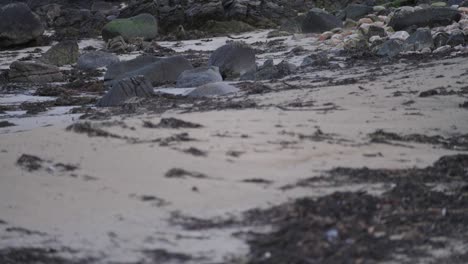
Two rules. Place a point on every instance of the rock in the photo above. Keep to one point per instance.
(198, 14)
(270, 71)
(122, 90)
(96, 59)
(443, 49)
(419, 40)
(140, 26)
(355, 11)
(233, 59)
(199, 76)
(379, 8)
(427, 17)
(117, 45)
(213, 89)
(318, 21)
(65, 52)
(440, 39)
(117, 69)
(34, 72)
(319, 59)
(400, 35)
(76, 23)
(439, 4)
(19, 25)
(376, 31)
(106, 8)
(278, 33)
(390, 48)
(226, 27)
(456, 38)
(161, 71)
(355, 42)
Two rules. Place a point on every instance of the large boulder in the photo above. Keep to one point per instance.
(419, 40)
(118, 69)
(355, 11)
(141, 26)
(213, 89)
(427, 17)
(96, 59)
(318, 21)
(198, 77)
(162, 71)
(122, 90)
(34, 72)
(198, 13)
(18, 25)
(270, 71)
(234, 59)
(390, 48)
(65, 52)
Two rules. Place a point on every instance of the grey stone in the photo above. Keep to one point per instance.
(440, 39)
(233, 59)
(117, 69)
(198, 77)
(355, 11)
(162, 71)
(419, 40)
(318, 21)
(18, 25)
(390, 48)
(456, 38)
(213, 89)
(96, 59)
(270, 71)
(122, 90)
(34, 72)
(426, 17)
(65, 52)
(376, 31)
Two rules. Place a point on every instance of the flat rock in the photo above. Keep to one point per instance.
(141, 26)
(96, 59)
(122, 90)
(426, 17)
(234, 59)
(419, 40)
(18, 25)
(34, 72)
(213, 89)
(319, 21)
(65, 52)
(198, 77)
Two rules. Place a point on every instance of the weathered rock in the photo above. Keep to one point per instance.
(213, 89)
(226, 27)
(443, 49)
(118, 69)
(18, 25)
(440, 39)
(390, 48)
(141, 26)
(117, 45)
(122, 90)
(77, 23)
(65, 52)
(96, 59)
(270, 71)
(355, 11)
(456, 38)
(199, 76)
(161, 71)
(426, 17)
(318, 21)
(419, 40)
(200, 12)
(105, 8)
(376, 31)
(34, 72)
(400, 35)
(233, 59)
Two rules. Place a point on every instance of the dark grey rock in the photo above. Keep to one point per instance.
(440, 39)
(18, 25)
(162, 71)
(199, 76)
(318, 21)
(270, 71)
(200, 12)
(355, 11)
(427, 17)
(390, 48)
(419, 40)
(141, 26)
(376, 31)
(122, 90)
(34, 72)
(65, 52)
(213, 89)
(96, 59)
(456, 38)
(233, 59)
(117, 69)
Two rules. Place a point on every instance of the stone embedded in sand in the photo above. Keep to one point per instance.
(156, 71)
(318, 21)
(234, 59)
(18, 25)
(122, 90)
(456, 38)
(270, 71)
(141, 26)
(427, 17)
(213, 89)
(390, 48)
(199, 76)
(96, 59)
(34, 72)
(65, 52)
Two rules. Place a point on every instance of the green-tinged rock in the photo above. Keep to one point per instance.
(65, 52)
(141, 26)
